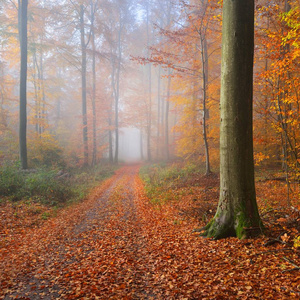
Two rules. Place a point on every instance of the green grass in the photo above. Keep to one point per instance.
(45, 186)
(161, 179)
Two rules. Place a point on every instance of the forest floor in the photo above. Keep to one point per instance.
(118, 245)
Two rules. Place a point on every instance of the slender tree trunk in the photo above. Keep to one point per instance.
(158, 112)
(149, 116)
(110, 131)
(83, 88)
(43, 95)
(36, 93)
(194, 112)
(163, 102)
(115, 84)
(116, 89)
(287, 6)
(204, 56)
(167, 152)
(174, 132)
(23, 5)
(94, 154)
(116, 159)
(111, 157)
(237, 212)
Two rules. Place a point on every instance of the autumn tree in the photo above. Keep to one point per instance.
(200, 26)
(39, 48)
(237, 212)
(187, 46)
(278, 83)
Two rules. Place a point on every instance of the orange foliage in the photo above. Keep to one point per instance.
(117, 245)
(277, 84)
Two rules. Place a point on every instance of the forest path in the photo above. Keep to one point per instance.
(117, 245)
(101, 256)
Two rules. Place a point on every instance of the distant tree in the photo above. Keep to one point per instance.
(94, 8)
(237, 212)
(149, 115)
(22, 6)
(83, 86)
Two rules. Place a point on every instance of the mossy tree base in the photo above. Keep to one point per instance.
(241, 229)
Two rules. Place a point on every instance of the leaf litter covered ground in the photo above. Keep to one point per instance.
(117, 245)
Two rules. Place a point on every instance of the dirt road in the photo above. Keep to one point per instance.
(116, 245)
(100, 256)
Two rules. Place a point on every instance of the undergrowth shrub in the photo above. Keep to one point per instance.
(47, 186)
(11, 180)
(160, 179)
(44, 150)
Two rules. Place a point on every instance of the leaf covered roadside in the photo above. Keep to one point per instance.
(124, 247)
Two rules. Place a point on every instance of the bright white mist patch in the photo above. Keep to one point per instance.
(129, 145)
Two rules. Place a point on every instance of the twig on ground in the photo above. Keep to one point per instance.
(273, 241)
(296, 267)
(268, 211)
(276, 240)
(276, 250)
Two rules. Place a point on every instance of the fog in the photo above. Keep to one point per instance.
(130, 145)
(107, 80)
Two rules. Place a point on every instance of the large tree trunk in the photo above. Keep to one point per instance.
(237, 213)
(23, 4)
(83, 88)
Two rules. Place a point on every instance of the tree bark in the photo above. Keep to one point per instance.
(110, 153)
(149, 115)
(83, 88)
(43, 95)
(94, 154)
(237, 212)
(116, 89)
(204, 56)
(23, 5)
(158, 112)
(36, 92)
(167, 152)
